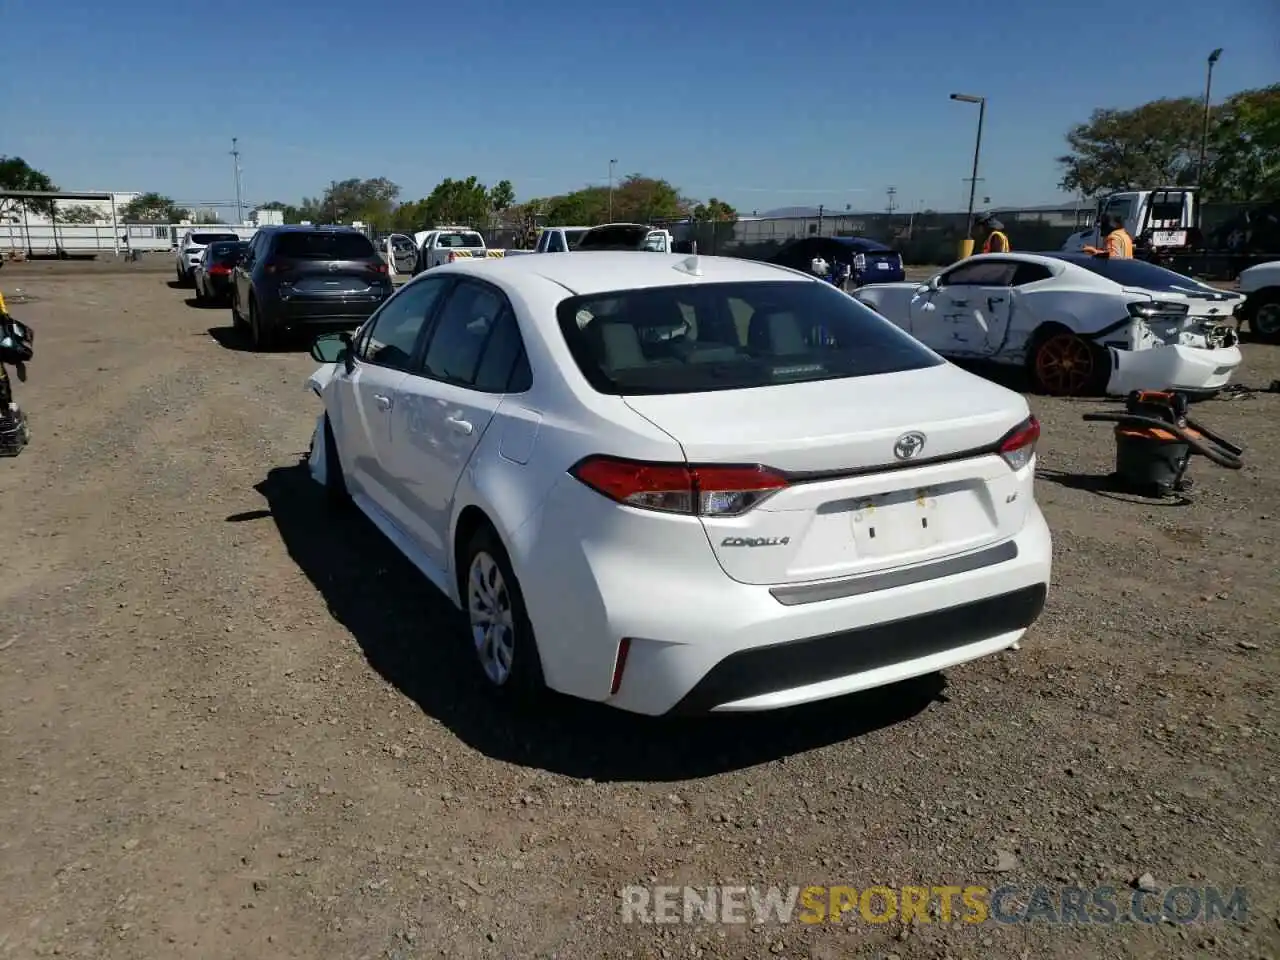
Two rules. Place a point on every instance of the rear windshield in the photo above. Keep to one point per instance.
(1139, 273)
(223, 251)
(204, 239)
(460, 240)
(324, 246)
(730, 336)
(614, 238)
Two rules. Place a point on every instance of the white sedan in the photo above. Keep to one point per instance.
(1079, 324)
(675, 483)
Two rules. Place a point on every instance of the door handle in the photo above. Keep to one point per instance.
(464, 427)
(992, 301)
(960, 303)
(383, 402)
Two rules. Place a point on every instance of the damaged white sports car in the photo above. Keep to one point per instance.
(1081, 325)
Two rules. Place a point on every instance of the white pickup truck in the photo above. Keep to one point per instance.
(1161, 218)
(554, 240)
(446, 244)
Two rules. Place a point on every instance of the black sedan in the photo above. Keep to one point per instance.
(868, 261)
(212, 275)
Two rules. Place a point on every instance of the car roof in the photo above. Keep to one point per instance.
(309, 228)
(606, 270)
(860, 243)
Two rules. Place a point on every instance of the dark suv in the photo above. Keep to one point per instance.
(297, 276)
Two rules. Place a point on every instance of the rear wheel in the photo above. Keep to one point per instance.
(1063, 364)
(261, 335)
(1264, 316)
(498, 624)
(200, 297)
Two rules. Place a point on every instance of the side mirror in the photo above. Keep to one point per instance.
(332, 348)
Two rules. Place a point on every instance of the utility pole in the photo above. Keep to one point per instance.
(235, 157)
(333, 202)
(612, 164)
(1204, 136)
(892, 192)
(820, 209)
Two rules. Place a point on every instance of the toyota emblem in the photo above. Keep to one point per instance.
(908, 445)
(333, 268)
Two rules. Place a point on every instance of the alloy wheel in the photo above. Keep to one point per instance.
(491, 616)
(1064, 365)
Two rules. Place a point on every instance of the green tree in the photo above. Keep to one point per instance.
(78, 213)
(1155, 144)
(501, 196)
(641, 199)
(1245, 147)
(370, 201)
(714, 210)
(17, 174)
(154, 208)
(459, 202)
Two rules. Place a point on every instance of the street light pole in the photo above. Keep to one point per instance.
(612, 164)
(977, 149)
(235, 154)
(1204, 136)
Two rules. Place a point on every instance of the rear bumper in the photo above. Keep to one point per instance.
(302, 310)
(702, 642)
(1189, 369)
(218, 286)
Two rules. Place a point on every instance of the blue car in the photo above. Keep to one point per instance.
(867, 260)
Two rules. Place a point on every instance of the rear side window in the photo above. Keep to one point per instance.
(981, 273)
(460, 334)
(622, 237)
(324, 246)
(460, 240)
(730, 336)
(224, 252)
(204, 239)
(1139, 273)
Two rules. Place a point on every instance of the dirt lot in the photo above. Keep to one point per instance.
(233, 726)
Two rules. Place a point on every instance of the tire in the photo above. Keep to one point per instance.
(498, 626)
(200, 297)
(181, 279)
(1064, 364)
(1264, 317)
(260, 334)
(335, 484)
(237, 321)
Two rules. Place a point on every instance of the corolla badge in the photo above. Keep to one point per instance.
(908, 445)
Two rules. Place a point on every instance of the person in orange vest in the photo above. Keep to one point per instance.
(1118, 245)
(997, 241)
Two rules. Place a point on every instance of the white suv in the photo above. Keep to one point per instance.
(191, 248)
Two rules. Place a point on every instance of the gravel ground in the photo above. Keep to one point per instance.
(233, 726)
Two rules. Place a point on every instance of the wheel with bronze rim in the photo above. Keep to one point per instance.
(1064, 364)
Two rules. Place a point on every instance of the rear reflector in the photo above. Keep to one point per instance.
(696, 490)
(620, 664)
(1019, 444)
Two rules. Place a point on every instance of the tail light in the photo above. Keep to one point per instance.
(619, 665)
(219, 270)
(1146, 309)
(452, 256)
(378, 267)
(268, 267)
(1019, 444)
(860, 261)
(692, 489)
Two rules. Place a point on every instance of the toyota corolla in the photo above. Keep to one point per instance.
(684, 484)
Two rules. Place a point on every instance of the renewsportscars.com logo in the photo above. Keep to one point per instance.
(932, 904)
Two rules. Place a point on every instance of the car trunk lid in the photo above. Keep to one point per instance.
(852, 505)
(338, 278)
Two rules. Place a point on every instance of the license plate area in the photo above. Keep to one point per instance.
(332, 286)
(1169, 238)
(917, 520)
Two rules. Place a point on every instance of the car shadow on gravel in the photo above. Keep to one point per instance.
(414, 638)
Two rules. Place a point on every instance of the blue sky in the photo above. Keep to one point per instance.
(761, 104)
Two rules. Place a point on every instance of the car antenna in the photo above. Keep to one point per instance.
(690, 265)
